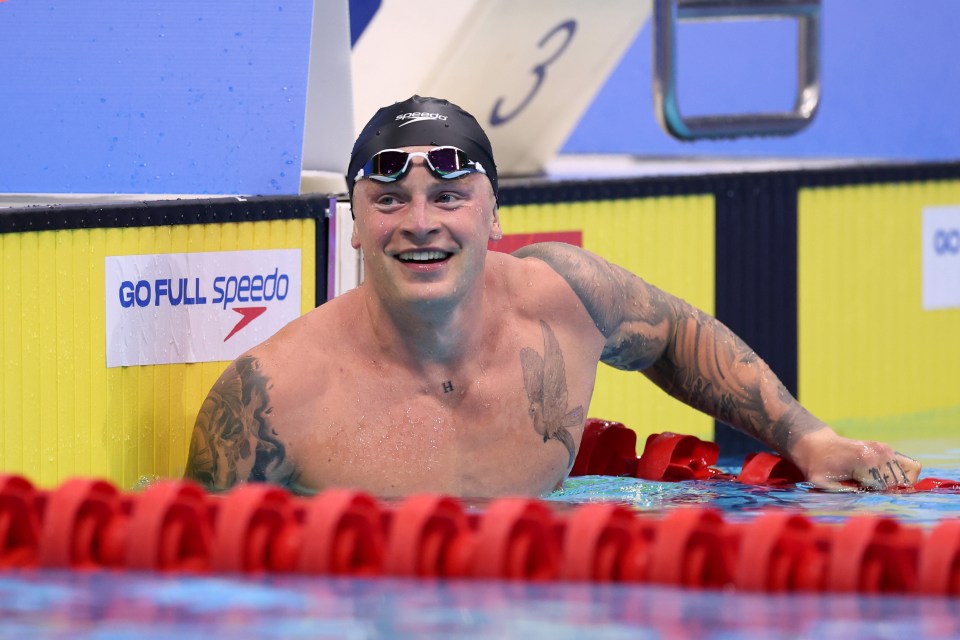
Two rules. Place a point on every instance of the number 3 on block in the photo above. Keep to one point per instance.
(566, 30)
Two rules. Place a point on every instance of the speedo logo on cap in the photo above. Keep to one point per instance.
(418, 116)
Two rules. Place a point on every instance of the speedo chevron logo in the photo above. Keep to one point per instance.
(248, 315)
(418, 116)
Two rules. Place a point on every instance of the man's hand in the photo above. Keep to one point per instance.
(835, 463)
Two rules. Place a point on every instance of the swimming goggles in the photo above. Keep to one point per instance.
(446, 163)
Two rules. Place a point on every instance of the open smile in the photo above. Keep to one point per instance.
(423, 257)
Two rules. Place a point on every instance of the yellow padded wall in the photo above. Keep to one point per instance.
(62, 412)
(669, 242)
(871, 360)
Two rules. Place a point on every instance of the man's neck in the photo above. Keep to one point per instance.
(428, 332)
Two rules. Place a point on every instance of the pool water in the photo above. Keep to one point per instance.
(741, 502)
(106, 605)
(101, 605)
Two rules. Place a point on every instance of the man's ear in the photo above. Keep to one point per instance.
(496, 231)
(355, 235)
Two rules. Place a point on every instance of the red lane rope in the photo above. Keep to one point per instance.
(175, 526)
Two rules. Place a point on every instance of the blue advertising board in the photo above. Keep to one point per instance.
(159, 97)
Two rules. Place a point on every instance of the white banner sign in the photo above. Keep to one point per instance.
(197, 307)
(941, 257)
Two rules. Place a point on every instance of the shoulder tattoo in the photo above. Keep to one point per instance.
(233, 440)
(631, 314)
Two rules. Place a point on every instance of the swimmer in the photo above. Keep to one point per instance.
(456, 370)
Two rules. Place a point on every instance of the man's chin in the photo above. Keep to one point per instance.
(431, 299)
(426, 296)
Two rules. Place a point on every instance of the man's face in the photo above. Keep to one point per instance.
(424, 239)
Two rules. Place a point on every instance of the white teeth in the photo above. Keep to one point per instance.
(422, 256)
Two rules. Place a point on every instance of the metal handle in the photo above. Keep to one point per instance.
(666, 15)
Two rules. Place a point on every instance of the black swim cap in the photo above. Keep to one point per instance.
(418, 122)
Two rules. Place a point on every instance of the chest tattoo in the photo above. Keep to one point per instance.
(545, 381)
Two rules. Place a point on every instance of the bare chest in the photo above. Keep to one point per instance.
(493, 427)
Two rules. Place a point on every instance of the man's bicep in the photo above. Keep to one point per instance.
(212, 461)
(592, 279)
(232, 440)
(634, 316)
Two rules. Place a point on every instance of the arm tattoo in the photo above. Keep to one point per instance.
(631, 314)
(545, 381)
(707, 366)
(233, 440)
(590, 277)
(688, 353)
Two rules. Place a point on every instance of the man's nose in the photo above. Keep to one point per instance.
(420, 220)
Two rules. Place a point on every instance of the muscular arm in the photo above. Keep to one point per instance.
(233, 440)
(697, 359)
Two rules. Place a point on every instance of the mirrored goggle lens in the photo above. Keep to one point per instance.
(447, 160)
(443, 162)
(387, 164)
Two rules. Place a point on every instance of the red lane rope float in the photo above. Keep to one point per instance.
(604, 543)
(690, 549)
(929, 484)
(80, 522)
(169, 530)
(873, 554)
(672, 457)
(940, 560)
(343, 535)
(768, 469)
(253, 528)
(176, 526)
(429, 536)
(19, 523)
(516, 539)
(606, 449)
(779, 552)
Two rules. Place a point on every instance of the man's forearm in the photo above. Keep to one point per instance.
(708, 367)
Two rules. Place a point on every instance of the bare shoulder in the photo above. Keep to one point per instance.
(233, 438)
(313, 339)
(237, 436)
(597, 283)
(633, 316)
(572, 264)
(532, 274)
(606, 290)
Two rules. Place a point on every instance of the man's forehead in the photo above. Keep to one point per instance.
(366, 192)
(423, 176)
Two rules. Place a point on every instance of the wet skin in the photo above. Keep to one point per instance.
(457, 370)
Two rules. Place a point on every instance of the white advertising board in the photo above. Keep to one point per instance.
(941, 257)
(197, 307)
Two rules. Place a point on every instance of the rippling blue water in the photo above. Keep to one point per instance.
(102, 606)
(739, 501)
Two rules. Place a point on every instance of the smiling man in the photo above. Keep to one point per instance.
(456, 370)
